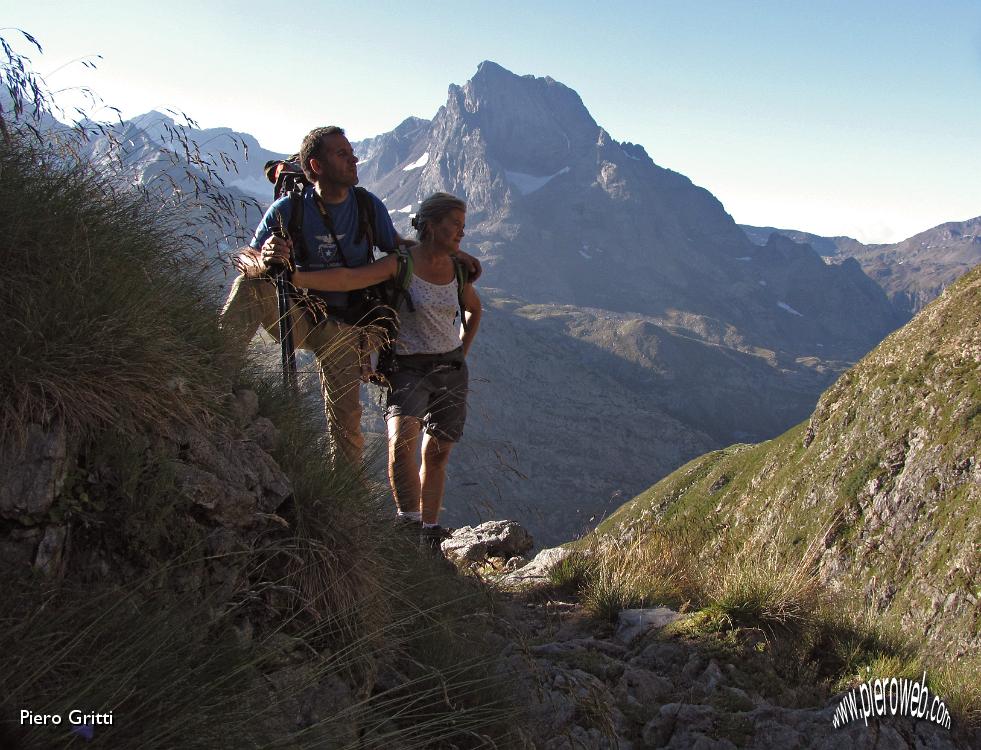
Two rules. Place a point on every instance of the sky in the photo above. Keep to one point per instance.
(857, 118)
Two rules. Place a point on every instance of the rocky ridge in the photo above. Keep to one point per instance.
(577, 682)
(230, 480)
(67, 526)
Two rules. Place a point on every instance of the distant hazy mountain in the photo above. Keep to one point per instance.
(912, 272)
(240, 151)
(218, 173)
(828, 247)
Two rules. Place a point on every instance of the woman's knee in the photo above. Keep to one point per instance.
(436, 451)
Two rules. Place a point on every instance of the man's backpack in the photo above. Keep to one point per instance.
(286, 176)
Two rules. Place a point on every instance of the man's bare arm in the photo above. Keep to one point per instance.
(472, 265)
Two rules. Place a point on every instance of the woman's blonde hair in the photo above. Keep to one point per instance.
(434, 208)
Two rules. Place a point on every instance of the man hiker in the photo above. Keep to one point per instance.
(339, 228)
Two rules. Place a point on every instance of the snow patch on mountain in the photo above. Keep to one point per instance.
(788, 308)
(258, 187)
(418, 163)
(529, 183)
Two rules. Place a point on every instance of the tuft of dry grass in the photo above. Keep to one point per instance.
(849, 637)
(854, 644)
(334, 558)
(956, 682)
(175, 672)
(571, 575)
(757, 590)
(653, 569)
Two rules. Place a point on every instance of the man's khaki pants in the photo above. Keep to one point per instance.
(338, 348)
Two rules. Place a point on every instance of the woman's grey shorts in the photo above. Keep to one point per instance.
(433, 388)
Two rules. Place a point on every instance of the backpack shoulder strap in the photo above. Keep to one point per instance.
(295, 227)
(462, 276)
(403, 277)
(366, 215)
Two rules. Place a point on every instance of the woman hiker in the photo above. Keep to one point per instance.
(427, 403)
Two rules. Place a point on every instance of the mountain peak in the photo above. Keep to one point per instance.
(491, 68)
(490, 73)
(153, 119)
(529, 124)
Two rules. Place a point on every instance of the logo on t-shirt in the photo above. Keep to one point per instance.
(325, 246)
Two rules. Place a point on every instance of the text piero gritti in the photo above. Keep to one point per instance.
(75, 717)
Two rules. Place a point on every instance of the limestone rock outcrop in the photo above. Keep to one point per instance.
(227, 475)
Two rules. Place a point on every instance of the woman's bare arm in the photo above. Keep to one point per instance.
(472, 309)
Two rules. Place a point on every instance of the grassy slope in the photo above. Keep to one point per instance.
(879, 488)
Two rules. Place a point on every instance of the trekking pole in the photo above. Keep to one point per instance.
(284, 296)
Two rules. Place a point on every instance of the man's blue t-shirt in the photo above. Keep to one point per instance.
(321, 252)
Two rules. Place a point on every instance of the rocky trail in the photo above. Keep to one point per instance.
(641, 682)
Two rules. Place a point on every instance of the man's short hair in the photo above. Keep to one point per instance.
(312, 144)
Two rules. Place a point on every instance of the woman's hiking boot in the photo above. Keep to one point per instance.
(431, 538)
